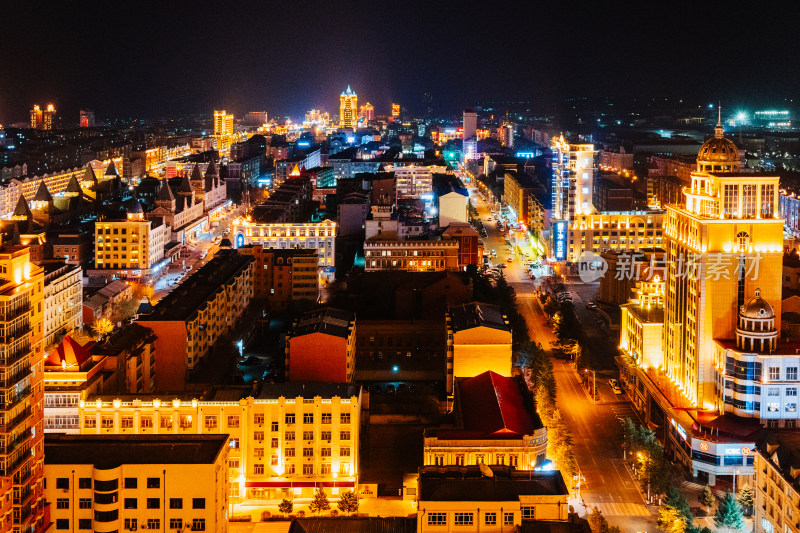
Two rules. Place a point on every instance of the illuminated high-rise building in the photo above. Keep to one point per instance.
(470, 123)
(395, 110)
(367, 112)
(36, 117)
(724, 247)
(87, 118)
(348, 109)
(22, 398)
(223, 123)
(42, 119)
(573, 179)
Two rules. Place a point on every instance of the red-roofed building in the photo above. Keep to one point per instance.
(496, 424)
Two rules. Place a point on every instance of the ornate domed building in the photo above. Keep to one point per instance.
(756, 331)
(718, 154)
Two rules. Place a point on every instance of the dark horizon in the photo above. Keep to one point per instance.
(149, 60)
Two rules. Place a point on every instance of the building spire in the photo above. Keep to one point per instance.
(718, 133)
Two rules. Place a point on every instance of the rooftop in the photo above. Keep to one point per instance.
(110, 451)
(460, 484)
(271, 391)
(184, 302)
(390, 524)
(476, 314)
(329, 320)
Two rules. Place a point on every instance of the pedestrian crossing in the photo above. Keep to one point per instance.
(619, 509)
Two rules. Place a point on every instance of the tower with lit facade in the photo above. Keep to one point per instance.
(223, 123)
(724, 247)
(573, 179)
(395, 110)
(22, 398)
(348, 109)
(42, 119)
(223, 130)
(367, 112)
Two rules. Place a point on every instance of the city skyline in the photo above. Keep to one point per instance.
(194, 64)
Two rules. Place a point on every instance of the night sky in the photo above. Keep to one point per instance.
(170, 58)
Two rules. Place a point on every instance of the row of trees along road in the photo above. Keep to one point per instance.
(532, 359)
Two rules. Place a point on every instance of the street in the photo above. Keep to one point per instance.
(596, 428)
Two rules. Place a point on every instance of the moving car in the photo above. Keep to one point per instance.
(509, 259)
(591, 305)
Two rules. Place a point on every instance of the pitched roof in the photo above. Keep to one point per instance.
(89, 174)
(73, 185)
(111, 169)
(196, 174)
(22, 209)
(492, 404)
(42, 194)
(185, 186)
(329, 320)
(165, 193)
(69, 354)
(212, 169)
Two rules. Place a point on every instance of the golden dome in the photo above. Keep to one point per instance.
(757, 308)
(718, 150)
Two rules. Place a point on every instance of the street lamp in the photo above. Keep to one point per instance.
(594, 385)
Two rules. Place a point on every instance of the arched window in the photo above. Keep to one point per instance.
(743, 241)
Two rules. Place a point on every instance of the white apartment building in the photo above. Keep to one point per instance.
(320, 236)
(63, 299)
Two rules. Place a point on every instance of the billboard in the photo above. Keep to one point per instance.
(560, 240)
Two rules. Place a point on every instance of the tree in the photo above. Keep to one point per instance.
(729, 513)
(102, 327)
(320, 501)
(671, 520)
(707, 498)
(599, 524)
(348, 502)
(679, 502)
(746, 499)
(286, 506)
(629, 434)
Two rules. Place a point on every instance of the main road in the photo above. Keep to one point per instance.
(606, 481)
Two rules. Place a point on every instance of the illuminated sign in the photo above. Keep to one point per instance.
(560, 240)
(703, 446)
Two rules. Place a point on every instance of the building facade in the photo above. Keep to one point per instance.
(189, 320)
(412, 256)
(319, 236)
(131, 247)
(722, 294)
(478, 340)
(284, 277)
(22, 398)
(109, 483)
(624, 231)
(776, 502)
(286, 442)
(573, 179)
(462, 499)
(348, 109)
(63, 300)
(322, 347)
